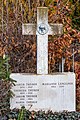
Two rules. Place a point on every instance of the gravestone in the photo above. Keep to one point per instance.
(43, 91)
(42, 29)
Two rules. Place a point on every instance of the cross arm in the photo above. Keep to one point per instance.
(55, 29)
(29, 29)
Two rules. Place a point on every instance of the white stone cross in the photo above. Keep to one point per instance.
(42, 29)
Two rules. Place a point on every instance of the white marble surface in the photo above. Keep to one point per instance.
(29, 29)
(42, 54)
(44, 92)
(42, 40)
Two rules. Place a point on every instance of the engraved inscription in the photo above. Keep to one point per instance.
(41, 92)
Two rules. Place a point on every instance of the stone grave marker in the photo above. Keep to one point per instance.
(43, 91)
(42, 29)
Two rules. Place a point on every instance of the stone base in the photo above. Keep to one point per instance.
(44, 92)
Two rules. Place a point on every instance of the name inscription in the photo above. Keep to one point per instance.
(44, 92)
(26, 94)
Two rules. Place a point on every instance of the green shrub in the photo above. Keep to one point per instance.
(5, 84)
